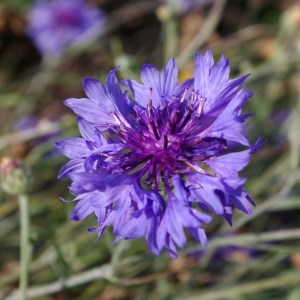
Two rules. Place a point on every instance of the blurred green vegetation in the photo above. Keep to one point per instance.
(257, 258)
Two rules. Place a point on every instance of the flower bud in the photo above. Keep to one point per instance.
(13, 176)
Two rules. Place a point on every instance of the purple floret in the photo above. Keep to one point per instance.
(55, 25)
(157, 157)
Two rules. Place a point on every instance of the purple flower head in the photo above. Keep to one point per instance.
(55, 25)
(160, 156)
(31, 123)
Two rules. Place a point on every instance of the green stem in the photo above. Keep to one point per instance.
(201, 37)
(24, 245)
(170, 37)
(244, 290)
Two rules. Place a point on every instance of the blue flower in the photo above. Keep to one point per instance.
(160, 156)
(55, 25)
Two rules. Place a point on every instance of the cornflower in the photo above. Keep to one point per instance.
(157, 157)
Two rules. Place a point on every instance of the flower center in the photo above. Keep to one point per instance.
(164, 142)
(67, 17)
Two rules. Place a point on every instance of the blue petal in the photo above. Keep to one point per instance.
(174, 225)
(117, 97)
(203, 190)
(179, 189)
(150, 76)
(201, 74)
(151, 79)
(73, 147)
(90, 133)
(170, 246)
(228, 165)
(199, 235)
(228, 214)
(151, 236)
(227, 126)
(140, 92)
(87, 130)
(209, 59)
(242, 203)
(89, 181)
(201, 217)
(219, 75)
(185, 85)
(81, 210)
(168, 80)
(219, 98)
(74, 165)
(95, 90)
(208, 196)
(92, 112)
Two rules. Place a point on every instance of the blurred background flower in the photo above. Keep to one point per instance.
(57, 24)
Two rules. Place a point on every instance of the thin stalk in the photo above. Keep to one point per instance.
(24, 245)
(241, 291)
(201, 37)
(170, 37)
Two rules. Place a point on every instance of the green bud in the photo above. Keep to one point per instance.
(14, 178)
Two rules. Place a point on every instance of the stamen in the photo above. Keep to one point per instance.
(165, 141)
(183, 95)
(185, 118)
(200, 107)
(149, 107)
(120, 119)
(104, 154)
(150, 93)
(196, 141)
(114, 114)
(195, 167)
(156, 134)
(192, 96)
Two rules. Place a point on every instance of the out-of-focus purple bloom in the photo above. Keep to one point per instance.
(55, 25)
(158, 157)
(39, 128)
(39, 131)
(183, 6)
